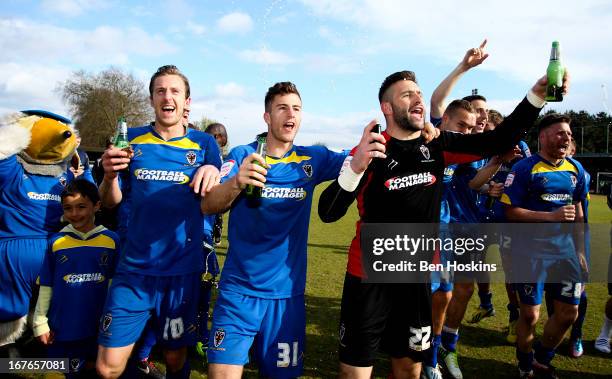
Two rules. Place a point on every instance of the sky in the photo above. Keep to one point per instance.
(336, 51)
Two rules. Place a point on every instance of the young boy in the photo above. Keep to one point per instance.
(74, 280)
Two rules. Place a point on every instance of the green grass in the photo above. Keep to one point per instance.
(483, 351)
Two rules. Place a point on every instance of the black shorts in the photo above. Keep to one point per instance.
(395, 318)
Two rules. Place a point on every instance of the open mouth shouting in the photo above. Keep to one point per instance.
(168, 110)
(417, 112)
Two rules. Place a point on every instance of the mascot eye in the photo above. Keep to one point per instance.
(67, 134)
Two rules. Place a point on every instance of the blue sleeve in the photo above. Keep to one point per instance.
(231, 165)
(516, 186)
(46, 271)
(330, 164)
(582, 188)
(9, 169)
(87, 175)
(212, 155)
(524, 149)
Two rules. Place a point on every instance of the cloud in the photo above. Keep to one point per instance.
(331, 64)
(25, 41)
(230, 89)
(236, 22)
(332, 37)
(519, 40)
(266, 57)
(196, 29)
(72, 8)
(32, 86)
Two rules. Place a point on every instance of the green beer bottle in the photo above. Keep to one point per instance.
(121, 138)
(554, 74)
(252, 192)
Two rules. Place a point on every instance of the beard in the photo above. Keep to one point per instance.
(402, 119)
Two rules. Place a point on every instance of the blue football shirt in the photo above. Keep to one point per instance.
(267, 244)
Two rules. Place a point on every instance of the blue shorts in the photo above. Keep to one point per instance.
(276, 327)
(77, 352)
(559, 277)
(20, 264)
(132, 299)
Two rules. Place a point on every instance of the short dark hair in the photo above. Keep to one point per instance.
(280, 88)
(495, 117)
(209, 129)
(392, 79)
(475, 97)
(82, 187)
(455, 105)
(551, 119)
(169, 69)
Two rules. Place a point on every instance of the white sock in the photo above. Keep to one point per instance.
(606, 329)
(450, 330)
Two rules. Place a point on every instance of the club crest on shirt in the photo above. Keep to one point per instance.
(62, 259)
(75, 364)
(574, 181)
(104, 259)
(62, 181)
(528, 289)
(226, 167)
(307, 169)
(219, 337)
(191, 157)
(107, 319)
(425, 152)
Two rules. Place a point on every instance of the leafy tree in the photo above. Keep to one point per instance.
(96, 101)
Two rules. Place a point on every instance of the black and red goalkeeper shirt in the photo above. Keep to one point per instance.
(406, 187)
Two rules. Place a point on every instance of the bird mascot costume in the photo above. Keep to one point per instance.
(36, 148)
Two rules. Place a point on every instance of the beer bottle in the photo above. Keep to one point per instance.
(554, 74)
(252, 192)
(121, 139)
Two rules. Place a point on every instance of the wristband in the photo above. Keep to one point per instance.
(535, 100)
(348, 179)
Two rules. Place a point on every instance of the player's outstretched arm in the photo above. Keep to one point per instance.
(484, 175)
(113, 161)
(220, 198)
(473, 57)
(566, 213)
(339, 195)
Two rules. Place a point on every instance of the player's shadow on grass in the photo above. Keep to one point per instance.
(322, 319)
(478, 336)
(339, 249)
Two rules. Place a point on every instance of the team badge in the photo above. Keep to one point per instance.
(574, 181)
(341, 331)
(307, 170)
(191, 157)
(227, 167)
(509, 180)
(219, 337)
(106, 321)
(425, 152)
(62, 181)
(62, 259)
(528, 289)
(75, 364)
(104, 259)
(137, 153)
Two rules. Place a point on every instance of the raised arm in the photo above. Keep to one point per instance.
(220, 198)
(341, 193)
(113, 161)
(473, 57)
(509, 132)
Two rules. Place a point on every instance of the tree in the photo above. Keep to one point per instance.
(204, 122)
(96, 101)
